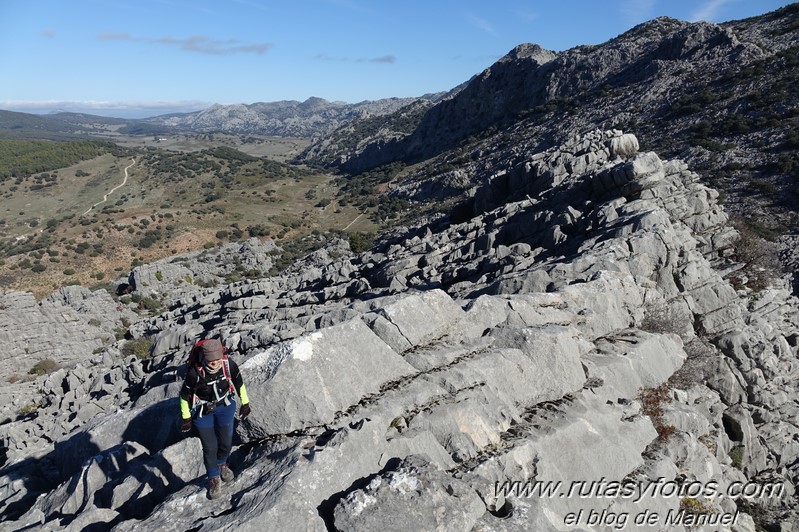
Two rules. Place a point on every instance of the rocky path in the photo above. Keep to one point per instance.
(352, 222)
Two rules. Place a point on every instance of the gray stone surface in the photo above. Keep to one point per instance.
(416, 492)
(342, 364)
(508, 348)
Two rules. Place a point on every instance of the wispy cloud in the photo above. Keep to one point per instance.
(325, 57)
(481, 23)
(709, 11)
(390, 59)
(637, 11)
(382, 59)
(108, 36)
(49, 33)
(196, 43)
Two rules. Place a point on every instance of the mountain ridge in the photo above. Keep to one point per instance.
(715, 95)
(313, 117)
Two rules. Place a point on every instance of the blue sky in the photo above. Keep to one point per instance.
(148, 57)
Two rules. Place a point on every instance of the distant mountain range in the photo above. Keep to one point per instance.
(313, 118)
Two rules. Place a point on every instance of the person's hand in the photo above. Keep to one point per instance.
(244, 411)
(185, 425)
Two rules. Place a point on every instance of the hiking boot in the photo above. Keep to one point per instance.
(214, 488)
(227, 474)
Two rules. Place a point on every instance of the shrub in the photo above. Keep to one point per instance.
(159, 276)
(736, 454)
(759, 256)
(152, 305)
(652, 401)
(28, 408)
(663, 319)
(694, 506)
(360, 242)
(94, 322)
(141, 348)
(258, 230)
(47, 365)
(696, 367)
(120, 332)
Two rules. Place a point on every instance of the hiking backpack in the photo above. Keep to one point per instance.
(195, 361)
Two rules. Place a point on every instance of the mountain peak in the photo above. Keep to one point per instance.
(530, 51)
(315, 100)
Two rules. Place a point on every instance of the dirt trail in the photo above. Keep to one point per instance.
(105, 198)
(352, 222)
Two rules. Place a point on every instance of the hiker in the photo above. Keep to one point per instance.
(207, 401)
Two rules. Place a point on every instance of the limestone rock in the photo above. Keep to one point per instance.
(344, 364)
(416, 492)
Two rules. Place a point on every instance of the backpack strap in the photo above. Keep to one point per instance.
(226, 369)
(196, 402)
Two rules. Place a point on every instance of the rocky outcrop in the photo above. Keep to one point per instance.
(70, 326)
(576, 330)
(350, 139)
(191, 272)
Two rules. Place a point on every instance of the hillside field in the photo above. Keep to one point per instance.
(172, 202)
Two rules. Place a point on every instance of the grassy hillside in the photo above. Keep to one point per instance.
(19, 158)
(55, 228)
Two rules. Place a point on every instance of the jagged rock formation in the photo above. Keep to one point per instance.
(403, 387)
(64, 329)
(190, 272)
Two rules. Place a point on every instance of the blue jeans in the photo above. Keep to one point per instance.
(216, 435)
